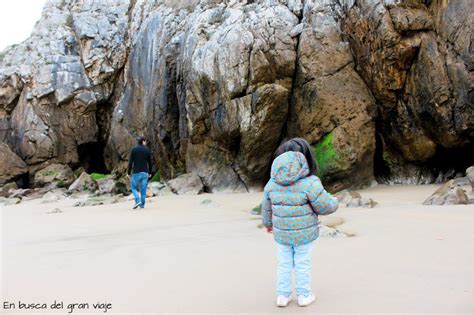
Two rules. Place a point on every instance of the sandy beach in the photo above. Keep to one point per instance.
(179, 255)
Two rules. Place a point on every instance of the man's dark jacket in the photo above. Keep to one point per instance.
(139, 160)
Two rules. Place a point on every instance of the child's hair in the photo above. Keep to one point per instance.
(299, 145)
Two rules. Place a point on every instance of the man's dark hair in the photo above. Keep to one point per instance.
(140, 140)
(299, 145)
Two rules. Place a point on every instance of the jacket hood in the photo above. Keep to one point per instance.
(289, 167)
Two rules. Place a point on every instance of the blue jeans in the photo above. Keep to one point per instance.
(139, 183)
(299, 258)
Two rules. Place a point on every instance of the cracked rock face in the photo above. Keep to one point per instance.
(52, 84)
(417, 59)
(11, 166)
(380, 88)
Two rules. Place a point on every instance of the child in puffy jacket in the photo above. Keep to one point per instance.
(293, 199)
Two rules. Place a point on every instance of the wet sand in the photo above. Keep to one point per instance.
(178, 255)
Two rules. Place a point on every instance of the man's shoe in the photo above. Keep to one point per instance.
(283, 300)
(136, 205)
(306, 300)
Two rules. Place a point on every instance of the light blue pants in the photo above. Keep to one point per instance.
(139, 183)
(299, 258)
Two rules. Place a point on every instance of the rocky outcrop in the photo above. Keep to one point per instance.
(11, 166)
(331, 105)
(381, 89)
(54, 175)
(83, 183)
(159, 189)
(53, 84)
(212, 94)
(416, 58)
(5, 189)
(186, 184)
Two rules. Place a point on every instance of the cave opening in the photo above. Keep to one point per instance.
(23, 181)
(91, 157)
(449, 163)
(91, 154)
(445, 164)
(382, 171)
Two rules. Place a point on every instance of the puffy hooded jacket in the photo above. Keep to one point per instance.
(293, 200)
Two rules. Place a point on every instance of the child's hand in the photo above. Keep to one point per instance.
(270, 229)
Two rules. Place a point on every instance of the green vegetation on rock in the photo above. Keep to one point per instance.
(156, 177)
(48, 173)
(325, 154)
(97, 176)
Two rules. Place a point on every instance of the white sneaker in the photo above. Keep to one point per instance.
(306, 300)
(283, 300)
(136, 205)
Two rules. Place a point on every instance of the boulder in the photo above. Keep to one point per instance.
(353, 199)
(9, 201)
(186, 184)
(19, 193)
(122, 186)
(54, 195)
(107, 185)
(4, 190)
(165, 191)
(83, 183)
(11, 166)
(54, 175)
(462, 181)
(156, 187)
(36, 193)
(448, 194)
(98, 200)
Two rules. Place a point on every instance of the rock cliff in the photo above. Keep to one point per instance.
(382, 88)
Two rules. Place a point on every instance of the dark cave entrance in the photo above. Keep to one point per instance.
(91, 154)
(91, 157)
(451, 163)
(23, 181)
(446, 164)
(381, 169)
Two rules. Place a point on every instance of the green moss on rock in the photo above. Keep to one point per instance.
(97, 176)
(325, 154)
(156, 177)
(48, 173)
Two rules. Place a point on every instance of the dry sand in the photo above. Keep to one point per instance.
(178, 255)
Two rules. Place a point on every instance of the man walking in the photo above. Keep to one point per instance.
(139, 166)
